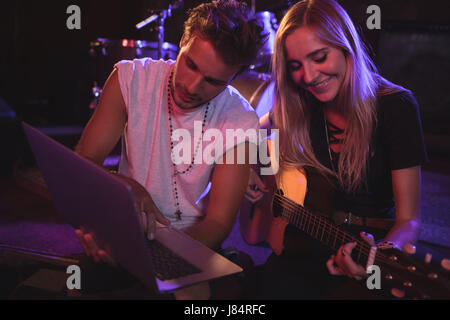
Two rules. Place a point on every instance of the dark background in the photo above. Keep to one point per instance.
(46, 76)
(46, 72)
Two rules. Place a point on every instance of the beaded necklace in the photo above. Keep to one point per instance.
(176, 172)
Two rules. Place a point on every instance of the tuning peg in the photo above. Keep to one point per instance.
(412, 268)
(432, 276)
(398, 293)
(409, 248)
(445, 263)
(428, 257)
(407, 284)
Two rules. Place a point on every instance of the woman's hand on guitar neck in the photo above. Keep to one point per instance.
(343, 264)
(256, 188)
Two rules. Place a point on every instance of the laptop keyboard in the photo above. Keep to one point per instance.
(168, 265)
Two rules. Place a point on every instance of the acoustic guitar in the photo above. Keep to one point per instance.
(410, 273)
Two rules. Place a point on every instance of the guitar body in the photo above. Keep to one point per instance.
(304, 187)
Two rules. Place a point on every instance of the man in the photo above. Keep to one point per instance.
(147, 101)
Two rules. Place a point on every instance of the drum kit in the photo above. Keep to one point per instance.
(255, 85)
(107, 52)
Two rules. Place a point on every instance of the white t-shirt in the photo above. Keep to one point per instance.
(146, 152)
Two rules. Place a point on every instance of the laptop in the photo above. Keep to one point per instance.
(90, 198)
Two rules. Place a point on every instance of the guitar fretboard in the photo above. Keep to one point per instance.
(428, 282)
(318, 227)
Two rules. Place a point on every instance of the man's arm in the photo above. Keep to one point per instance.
(229, 183)
(106, 125)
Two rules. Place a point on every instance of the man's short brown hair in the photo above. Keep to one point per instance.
(230, 27)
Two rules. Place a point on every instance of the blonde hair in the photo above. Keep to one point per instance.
(356, 99)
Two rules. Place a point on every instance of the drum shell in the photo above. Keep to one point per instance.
(257, 89)
(105, 53)
(268, 20)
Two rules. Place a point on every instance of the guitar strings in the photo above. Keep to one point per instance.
(341, 236)
(293, 207)
(328, 226)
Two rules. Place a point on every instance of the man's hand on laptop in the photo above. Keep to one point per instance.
(146, 207)
(149, 214)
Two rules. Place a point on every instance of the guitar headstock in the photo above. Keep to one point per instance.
(414, 273)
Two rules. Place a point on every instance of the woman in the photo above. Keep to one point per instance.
(336, 114)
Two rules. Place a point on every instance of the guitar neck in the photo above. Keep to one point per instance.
(318, 227)
(419, 280)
